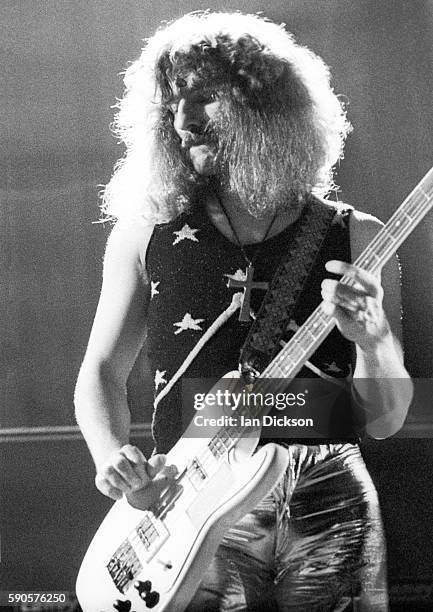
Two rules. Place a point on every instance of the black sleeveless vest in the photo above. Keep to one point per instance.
(188, 262)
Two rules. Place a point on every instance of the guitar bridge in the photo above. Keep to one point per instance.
(124, 566)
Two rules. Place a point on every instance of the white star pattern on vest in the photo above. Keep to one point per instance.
(153, 288)
(160, 378)
(188, 323)
(332, 367)
(186, 233)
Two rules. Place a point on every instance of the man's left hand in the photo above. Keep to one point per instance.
(356, 307)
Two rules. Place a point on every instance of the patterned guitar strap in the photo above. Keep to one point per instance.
(267, 331)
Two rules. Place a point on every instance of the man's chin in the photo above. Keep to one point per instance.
(203, 160)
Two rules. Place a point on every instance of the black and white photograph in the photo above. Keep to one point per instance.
(217, 306)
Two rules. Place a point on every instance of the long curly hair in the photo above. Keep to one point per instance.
(280, 128)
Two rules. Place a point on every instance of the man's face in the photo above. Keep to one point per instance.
(193, 105)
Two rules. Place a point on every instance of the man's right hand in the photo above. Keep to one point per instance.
(127, 471)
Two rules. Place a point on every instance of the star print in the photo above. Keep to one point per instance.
(159, 378)
(188, 323)
(239, 275)
(332, 367)
(153, 288)
(339, 220)
(186, 233)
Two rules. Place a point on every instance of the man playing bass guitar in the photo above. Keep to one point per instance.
(232, 131)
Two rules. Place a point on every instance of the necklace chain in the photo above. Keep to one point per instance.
(250, 260)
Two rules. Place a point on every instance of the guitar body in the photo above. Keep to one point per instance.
(168, 551)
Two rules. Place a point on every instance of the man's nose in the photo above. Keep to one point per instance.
(188, 117)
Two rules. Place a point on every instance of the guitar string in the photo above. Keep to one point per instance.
(398, 213)
(205, 456)
(416, 201)
(189, 488)
(386, 233)
(412, 199)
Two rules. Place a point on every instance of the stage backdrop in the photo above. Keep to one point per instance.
(61, 75)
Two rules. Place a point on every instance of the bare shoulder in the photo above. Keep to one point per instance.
(127, 245)
(363, 228)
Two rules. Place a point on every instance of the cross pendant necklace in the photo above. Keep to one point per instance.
(247, 283)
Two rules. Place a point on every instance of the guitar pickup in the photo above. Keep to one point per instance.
(152, 533)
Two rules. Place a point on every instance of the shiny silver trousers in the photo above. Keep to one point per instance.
(314, 544)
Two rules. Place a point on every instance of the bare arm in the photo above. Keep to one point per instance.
(369, 314)
(115, 340)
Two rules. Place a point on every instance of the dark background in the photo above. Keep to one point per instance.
(61, 61)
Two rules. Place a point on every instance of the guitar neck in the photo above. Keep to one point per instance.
(315, 329)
